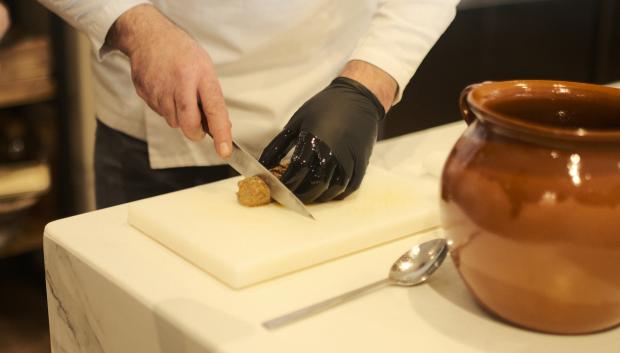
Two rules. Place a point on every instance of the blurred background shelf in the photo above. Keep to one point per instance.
(24, 207)
(26, 70)
(26, 92)
(33, 125)
(27, 239)
(35, 172)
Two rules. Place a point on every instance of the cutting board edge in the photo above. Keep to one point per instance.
(254, 275)
(427, 220)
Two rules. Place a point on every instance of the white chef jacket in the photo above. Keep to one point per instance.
(270, 57)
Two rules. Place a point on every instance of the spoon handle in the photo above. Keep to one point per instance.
(324, 305)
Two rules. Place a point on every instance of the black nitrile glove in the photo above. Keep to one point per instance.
(333, 134)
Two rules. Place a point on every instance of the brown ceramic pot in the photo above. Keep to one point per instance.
(530, 202)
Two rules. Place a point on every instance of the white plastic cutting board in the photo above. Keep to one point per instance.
(242, 246)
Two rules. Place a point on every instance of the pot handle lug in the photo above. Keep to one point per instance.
(466, 112)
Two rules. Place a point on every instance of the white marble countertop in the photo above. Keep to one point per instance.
(112, 289)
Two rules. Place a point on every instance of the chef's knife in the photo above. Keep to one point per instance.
(243, 162)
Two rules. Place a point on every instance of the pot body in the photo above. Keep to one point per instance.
(533, 221)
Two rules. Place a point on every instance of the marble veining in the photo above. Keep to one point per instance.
(75, 328)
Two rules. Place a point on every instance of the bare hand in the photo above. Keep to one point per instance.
(171, 72)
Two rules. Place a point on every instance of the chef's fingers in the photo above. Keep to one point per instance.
(318, 180)
(188, 113)
(214, 108)
(337, 184)
(301, 162)
(165, 106)
(354, 183)
(150, 97)
(278, 148)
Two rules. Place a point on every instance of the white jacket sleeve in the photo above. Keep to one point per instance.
(401, 34)
(92, 17)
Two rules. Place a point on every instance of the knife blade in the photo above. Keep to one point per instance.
(245, 164)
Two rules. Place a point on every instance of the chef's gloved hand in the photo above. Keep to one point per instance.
(333, 134)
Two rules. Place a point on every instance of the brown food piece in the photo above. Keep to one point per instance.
(253, 191)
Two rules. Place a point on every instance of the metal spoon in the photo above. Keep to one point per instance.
(412, 268)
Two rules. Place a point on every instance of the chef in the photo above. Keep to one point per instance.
(319, 75)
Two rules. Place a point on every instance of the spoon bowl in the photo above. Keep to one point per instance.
(416, 265)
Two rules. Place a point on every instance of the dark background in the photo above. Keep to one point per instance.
(570, 40)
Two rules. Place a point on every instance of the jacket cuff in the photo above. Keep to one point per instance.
(102, 21)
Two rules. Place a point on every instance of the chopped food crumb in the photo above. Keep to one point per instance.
(279, 170)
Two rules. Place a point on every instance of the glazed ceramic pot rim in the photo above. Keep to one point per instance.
(488, 90)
